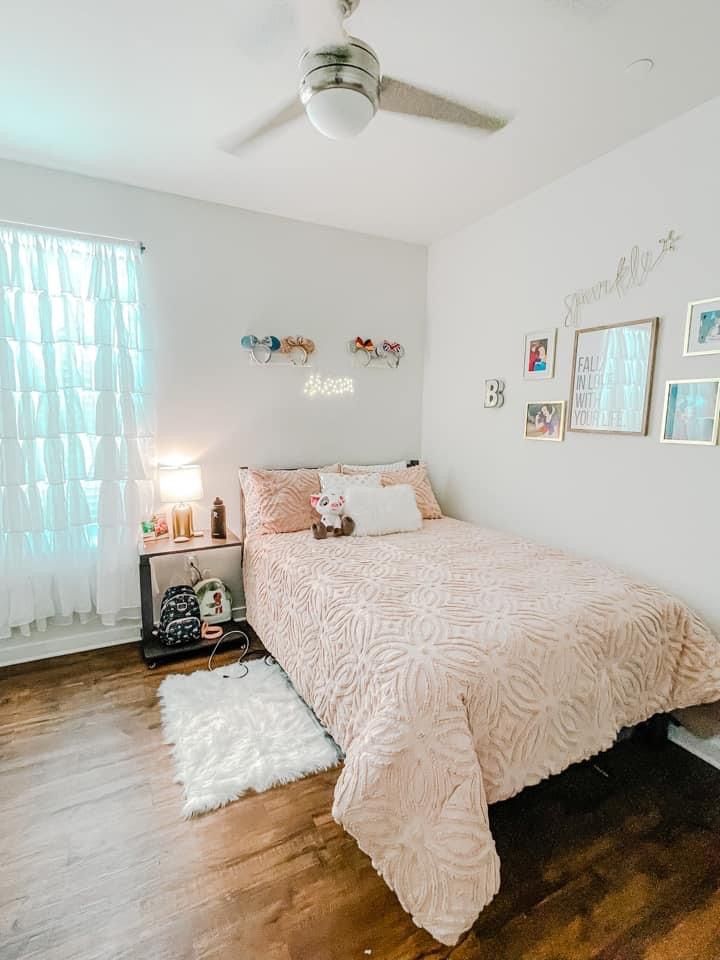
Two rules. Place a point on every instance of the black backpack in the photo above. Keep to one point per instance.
(179, 617)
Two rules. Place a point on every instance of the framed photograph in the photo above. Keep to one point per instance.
(612, 374)
(692, 411)
(156, 528)
(545, 421)
(702, 330)
(539, 355)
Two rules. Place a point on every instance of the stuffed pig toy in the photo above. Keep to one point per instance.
(330, 506)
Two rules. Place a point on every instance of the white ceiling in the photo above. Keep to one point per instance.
(141, 91)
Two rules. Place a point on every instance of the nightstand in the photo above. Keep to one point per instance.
(153, 650)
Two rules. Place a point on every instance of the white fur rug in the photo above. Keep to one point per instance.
(234, 735)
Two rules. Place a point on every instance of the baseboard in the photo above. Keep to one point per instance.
(74, 638)
(708, 749)
(58, 641)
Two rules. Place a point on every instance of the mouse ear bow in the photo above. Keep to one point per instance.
(362, 348)
(298, 349)
(391, 352)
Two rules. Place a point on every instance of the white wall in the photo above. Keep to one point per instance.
(214, 273)
(649, 508)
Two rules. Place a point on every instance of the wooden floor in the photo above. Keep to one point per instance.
(619, 862)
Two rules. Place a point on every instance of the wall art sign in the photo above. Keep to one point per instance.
(539, 354)
(702, 331)
(612, 377)
(632, 271)
(494, 394)
(692, 411)
(545, 421)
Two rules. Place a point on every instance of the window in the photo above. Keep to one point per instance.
(75, 427)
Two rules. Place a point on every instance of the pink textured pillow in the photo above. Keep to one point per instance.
(418, 479)
(250, 508)
(278, 501)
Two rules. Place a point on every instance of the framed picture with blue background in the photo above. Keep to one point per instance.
(539, 354)
(692, 409)
(702, 330)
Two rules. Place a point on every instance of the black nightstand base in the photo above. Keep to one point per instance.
(156, 653)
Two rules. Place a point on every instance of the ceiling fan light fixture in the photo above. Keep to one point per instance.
(339, 113)
(340, 88)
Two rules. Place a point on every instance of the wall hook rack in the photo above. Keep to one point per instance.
(288, 351)
(366, 353)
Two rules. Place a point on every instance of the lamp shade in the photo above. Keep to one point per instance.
(339, 112)
(178, 484)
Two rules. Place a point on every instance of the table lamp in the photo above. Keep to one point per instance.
(178, 485)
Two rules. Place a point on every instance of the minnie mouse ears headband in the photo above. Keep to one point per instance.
(298, 349)
(391, 351)
(261, 349)
(388, 350)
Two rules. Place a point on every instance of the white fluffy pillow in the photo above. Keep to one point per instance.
(377, 467)
(337, 483)
(384, 510)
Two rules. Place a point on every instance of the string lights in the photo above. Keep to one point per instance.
(317, 386)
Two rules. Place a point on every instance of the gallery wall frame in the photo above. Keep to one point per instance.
(544, 367)
(698, 426)
(545, 420)
(702, 328)
(584, 417)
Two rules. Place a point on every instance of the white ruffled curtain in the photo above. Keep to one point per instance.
(75, 428)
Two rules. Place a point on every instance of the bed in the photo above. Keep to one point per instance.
(455, 666)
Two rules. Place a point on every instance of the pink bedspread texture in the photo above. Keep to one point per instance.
(455, 666)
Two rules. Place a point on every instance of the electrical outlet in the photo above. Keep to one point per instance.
(192, 568)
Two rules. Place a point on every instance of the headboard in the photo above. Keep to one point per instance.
(241, 532)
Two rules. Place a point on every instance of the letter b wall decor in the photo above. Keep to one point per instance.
(494, 393)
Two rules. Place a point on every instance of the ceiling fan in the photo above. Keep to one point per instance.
(342, 87)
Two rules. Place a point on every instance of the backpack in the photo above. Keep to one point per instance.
(179, 617)
(215, 601)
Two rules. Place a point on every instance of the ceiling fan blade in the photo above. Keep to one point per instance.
(235, 142)
(399, 97)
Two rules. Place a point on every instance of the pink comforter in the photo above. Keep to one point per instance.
(455, 666)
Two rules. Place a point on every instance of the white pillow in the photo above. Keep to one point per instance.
(337, 483)
(384, 510)
(377, 467)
